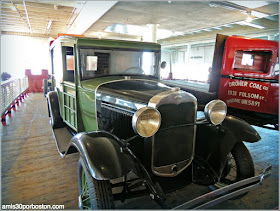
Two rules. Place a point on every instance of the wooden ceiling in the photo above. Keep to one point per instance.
(191, 18)
(24, 17)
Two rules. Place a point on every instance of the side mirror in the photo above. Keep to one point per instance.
(163, 65)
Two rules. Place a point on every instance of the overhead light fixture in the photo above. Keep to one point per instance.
(211, 4)
(151, 24)
(228, 25)
(259, 14)
(241, 6)
(208, 30)
(140, 30)
(49, 25)
(12, 7)
(250, 24)
(48, 29)
(227, 5)
(251, 4)
(249, 17)
(218, 27)
(99, 34)
(197, 31)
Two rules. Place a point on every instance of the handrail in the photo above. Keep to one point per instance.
(10, 90)
(4, 83)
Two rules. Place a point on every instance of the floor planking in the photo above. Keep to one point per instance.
(32, 170)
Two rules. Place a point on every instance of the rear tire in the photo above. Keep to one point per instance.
(240, 166)
(93, 194)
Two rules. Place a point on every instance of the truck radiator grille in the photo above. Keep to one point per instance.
(176, 144)
(115, 120)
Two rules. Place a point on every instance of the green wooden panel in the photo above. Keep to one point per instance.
(70, 108)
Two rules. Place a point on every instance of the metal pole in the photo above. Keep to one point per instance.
(27, 17)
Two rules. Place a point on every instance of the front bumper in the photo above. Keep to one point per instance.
(217, 196)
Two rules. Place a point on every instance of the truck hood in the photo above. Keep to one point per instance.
(130, 90)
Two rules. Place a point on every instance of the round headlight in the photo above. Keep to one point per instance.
(146, 121)
(215, 111)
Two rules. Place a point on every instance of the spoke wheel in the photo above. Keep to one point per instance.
(239, 166)
(93, 194)
(84, 199)
(229, 173)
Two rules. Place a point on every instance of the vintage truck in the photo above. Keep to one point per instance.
(244, 75)
(136, 135)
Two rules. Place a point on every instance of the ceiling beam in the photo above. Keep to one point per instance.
(74, 14)
(91, 12)
(27, 17)
(19, 13)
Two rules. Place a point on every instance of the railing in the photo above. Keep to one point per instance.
(10, 90)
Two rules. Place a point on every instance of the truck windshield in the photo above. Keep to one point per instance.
(96, 62)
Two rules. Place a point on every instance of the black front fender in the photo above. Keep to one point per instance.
(102, 155)
(242, 131)
(213, 143)
(54, 111)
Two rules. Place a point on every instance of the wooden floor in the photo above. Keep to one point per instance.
(33, 172)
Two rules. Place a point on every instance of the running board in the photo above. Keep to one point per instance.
(62, 138)
(215, 197)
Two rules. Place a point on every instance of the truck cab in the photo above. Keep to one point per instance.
(80, 65)
(249, 80)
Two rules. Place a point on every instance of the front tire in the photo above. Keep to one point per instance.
(240, 166)
(93, 194)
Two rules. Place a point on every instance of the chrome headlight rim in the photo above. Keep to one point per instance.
(136, 118)
(212, 107)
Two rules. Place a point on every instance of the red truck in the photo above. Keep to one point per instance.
(245, 76)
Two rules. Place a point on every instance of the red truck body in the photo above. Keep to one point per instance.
(244, 76)
(248, 79)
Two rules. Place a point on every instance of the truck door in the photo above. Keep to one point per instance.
(69, 88)
(248, 77)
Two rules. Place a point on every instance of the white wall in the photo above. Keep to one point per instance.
(191, 64)
(19, 53)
